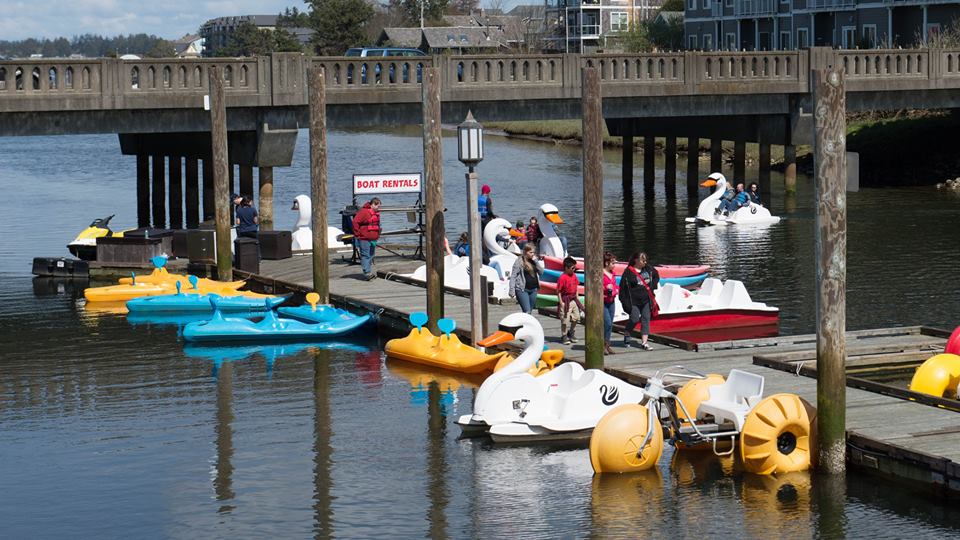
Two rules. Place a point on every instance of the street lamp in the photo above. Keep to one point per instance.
(470, 153)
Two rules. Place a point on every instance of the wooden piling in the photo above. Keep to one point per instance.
(246, 181)
(716, 155)
(829, 106)
(159, 192)
(626, 175)
(265, 198)
(221, 172)
(143, 190)
(790, 168)
(593, 215)
(739, 161)
(175, 165)
(693, 164)
(433, 194)
(764, 170)
(318, 181)
(649, 162)
(670, 163)
(208, 206)
(192, 194)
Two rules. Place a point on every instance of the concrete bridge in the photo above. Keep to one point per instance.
(156, 105)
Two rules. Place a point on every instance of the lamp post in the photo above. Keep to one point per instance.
(470, 153)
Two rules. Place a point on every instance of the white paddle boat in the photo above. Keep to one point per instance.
(707, 214)
(303, 235)
(562, 405)
(550, 244)
(501, 257)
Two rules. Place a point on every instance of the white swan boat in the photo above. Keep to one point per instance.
(550, 245)
(563, 404)
(751, 214)
(303, 235)
(501, 257)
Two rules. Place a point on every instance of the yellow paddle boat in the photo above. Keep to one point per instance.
(136, 289)
(160, 275)
(446, 351)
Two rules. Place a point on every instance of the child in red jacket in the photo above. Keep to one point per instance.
(570, 307)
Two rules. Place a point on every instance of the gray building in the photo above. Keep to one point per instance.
(216, 32)
(585, 25)
(762, 25)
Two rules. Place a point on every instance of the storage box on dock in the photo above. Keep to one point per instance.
(179, 247)
(201, 246)
(276, 245)
(60, 267)
(165, 235)
(126, 249)
(247, 254)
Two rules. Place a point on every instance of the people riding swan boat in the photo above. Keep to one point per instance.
(740, 210)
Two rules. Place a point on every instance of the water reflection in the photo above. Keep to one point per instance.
(437, 492)
(223, 461)
(322, 447)
(780, 506)
(620, 504)
(422, 379)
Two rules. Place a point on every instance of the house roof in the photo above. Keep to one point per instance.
(456, 37)
(401, 37)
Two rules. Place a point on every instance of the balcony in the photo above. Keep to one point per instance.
(755, 8)
(830, 5)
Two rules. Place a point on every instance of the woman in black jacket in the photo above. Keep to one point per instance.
(636, 297)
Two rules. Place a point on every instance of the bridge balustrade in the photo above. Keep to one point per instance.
(632, 68)
(49, 77)
(886, 63)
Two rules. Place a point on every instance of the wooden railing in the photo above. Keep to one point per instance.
(279, 79)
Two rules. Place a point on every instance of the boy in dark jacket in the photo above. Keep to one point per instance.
(366, 229)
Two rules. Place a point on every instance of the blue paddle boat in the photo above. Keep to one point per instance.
(194, 302)
(311, 312)
(270, 329)
(686, 281)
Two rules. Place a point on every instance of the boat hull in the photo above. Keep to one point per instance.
(717, 319)
(665, 270)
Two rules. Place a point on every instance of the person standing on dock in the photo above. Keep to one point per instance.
(636, 294)
(366, 229)
(248, 220)
(569, 308)
(610, 291)
(525, 279)
(485, 204)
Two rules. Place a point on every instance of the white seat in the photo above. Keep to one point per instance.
(733, 400)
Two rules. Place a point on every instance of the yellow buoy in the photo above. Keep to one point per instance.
(776, 436)
(938, 376)
(617, 438)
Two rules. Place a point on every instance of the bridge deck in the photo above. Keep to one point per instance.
(887, 434)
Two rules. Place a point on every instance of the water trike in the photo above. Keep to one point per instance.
(445, 351)
(665, 270)
(564, 404)
(193, 302)
(939, 375)
(708, 214)
(84, 246)
(302, 234)
(270, 328)
(773, 434)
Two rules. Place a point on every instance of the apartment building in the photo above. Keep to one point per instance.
(585, 25)
(750, 25)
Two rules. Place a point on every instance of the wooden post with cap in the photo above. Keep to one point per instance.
(221, 193)
(318, 181)
(433, 195)
(593, 216)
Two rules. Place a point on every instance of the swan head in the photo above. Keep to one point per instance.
(301, 203)
(496, 228)
(519, 326)
(550, 213)
(715, 179)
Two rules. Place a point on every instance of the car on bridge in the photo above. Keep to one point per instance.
(376, 52)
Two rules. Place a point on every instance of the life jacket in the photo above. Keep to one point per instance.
(366, 224)
(483, 203)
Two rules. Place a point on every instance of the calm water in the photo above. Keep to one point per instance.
(111, 429)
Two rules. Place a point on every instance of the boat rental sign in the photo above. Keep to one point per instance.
(369, 184)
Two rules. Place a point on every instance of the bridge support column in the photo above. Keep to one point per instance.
(265, 199)
(790, 168)
(693, 164)
(716, 155)
(649, 166)
(246, 181)
(175, 166)
(739, 160)
(143, 190)
(159, 192)
(764, 177)
(192, 198)
(626, 176)
(208, 207)
(670, 163)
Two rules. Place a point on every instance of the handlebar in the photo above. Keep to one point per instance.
(665, 372)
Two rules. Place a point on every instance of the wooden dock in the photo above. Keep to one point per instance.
(886, 434)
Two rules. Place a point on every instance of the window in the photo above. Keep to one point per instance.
(728, 3)
(708, 42)
(849, 37)
(803, 38)
(706, 4)
(691, 4)
(692, 42)
(619, 21)
(731, 44)
(784, 41)
(869, 39)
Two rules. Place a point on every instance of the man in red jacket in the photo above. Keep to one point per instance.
(366, 229)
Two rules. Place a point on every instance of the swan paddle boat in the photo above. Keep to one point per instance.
(195, 302)
(270, 328)
(751, 214)
(501, 257)
(446, 351)
(303, 235)
(772, 434)
(313, 312)
(550, 245)
(562, 405)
